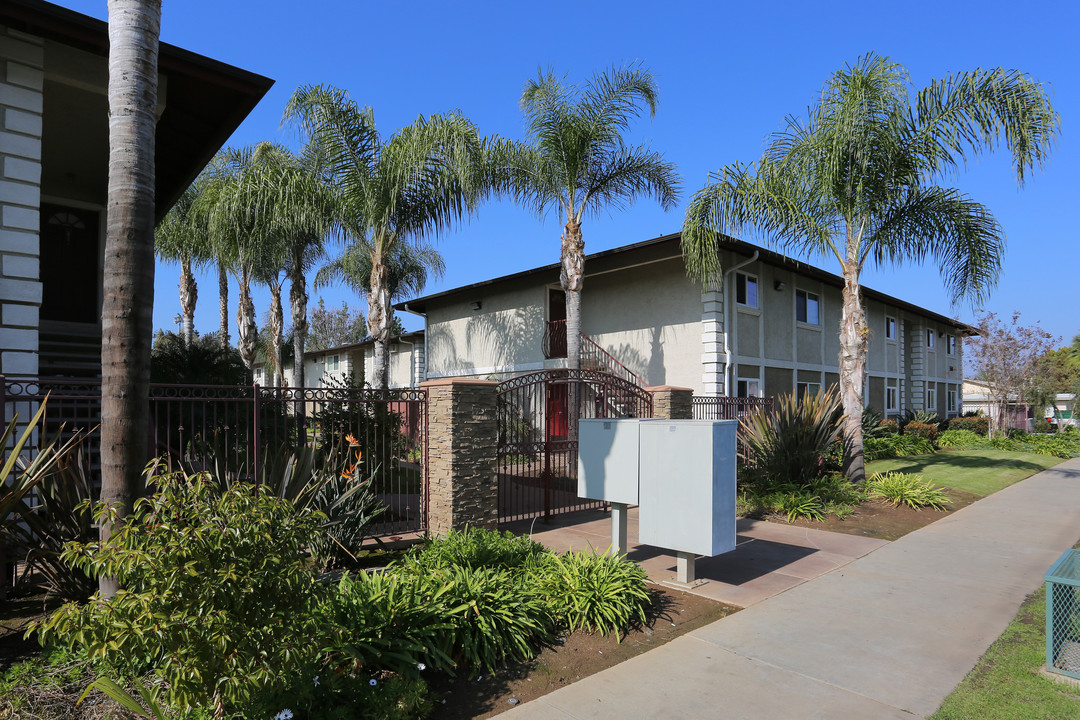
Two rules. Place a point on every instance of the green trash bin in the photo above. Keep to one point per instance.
(1063, 615)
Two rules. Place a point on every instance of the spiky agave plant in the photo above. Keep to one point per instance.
(787, 444)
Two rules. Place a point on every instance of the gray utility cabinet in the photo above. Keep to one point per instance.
(687, 476)
(681, 473)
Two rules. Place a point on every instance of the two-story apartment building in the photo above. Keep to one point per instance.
(771, 327)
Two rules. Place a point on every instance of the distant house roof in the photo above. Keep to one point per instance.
(309, 354)
(206, 100)
(669, 245)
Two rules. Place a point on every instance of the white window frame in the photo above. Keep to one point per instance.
(930, 338)
(931, 397)
(890, 327)
(950, 401)
(807, 388)
(892, 398)
(333, 363)
(950, 345)
(747, 383)
(746, 279)
(807, 294)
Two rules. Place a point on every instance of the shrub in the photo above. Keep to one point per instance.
(473, 547)
(600, 593)
(1043, 427)
(896, 446)
(961, 439)
(788, 444)
(921, 429)
(889, 427)
(218, 598)
(906, 489)
(978, 424)
(873, 423)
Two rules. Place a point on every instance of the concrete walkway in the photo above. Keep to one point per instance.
(769, 558)
(886, 636)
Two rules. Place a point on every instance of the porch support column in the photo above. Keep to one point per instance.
(672, 403)
(462, 434)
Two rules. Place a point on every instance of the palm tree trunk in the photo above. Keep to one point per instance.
(298, 300)
(853, 340)
(378, 322)
(127, 311)
(245, 320)
(189, 295)
(223, 304)
(572, 278)
(277, 323)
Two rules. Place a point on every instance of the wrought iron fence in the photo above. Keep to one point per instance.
(248, 432)
(727, 408)
(537, 442)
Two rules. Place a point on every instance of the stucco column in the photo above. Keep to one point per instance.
(462, 435)
(672, 403)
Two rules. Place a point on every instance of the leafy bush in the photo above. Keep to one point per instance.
(788, 443)
(218, 598)
(600, 593)
(921, 429)
(475, 547)
(830, 494)
(896, 446)
(961, 439)
(873, 424)
(1043, 427)
(980, 425)
(888, 427)
(906, 489)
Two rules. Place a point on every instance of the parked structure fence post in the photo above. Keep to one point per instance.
(462, 431)
(256, 432)
(672, 403)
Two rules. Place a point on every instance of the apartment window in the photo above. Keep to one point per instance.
(931, 398)
(929, 337)
(333, 363)
(746, 290)
(807, 388)
(950, 345)
(806, 307)
(891, 399)
(950, 400)
(890, 328)
(749, 387)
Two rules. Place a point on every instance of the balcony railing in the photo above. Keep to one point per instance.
(593, 357)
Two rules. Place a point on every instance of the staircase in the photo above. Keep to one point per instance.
(594, 357)
(69, 350)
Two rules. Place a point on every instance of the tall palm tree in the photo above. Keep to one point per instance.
(577, 162)
(127, 310)
(181, 237)
(856, 181)
(418, 182)
(408, 268)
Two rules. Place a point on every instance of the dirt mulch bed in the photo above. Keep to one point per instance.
(881, 520)
(582, 654)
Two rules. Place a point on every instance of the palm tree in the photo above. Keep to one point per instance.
(181, 237)
(422, 179)
(576, 161)
(127, 310)
(408, 268)
(855, 181)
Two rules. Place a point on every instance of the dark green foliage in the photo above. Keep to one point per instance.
(829, 494)
(873, 425)
(927, 431)
(789, 443)
(474, 547)
(205, 362)
(979, 424)
(906, 489)
(897, 446)
(598, 593)
(1042, 426)
(218, 598)
(961, 439)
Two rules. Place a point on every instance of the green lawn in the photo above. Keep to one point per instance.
(980, 471)
(1006, 684)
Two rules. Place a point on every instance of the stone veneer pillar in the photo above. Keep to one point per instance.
(462, 433)
(672, 403)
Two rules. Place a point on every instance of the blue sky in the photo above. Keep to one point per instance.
(728, 75)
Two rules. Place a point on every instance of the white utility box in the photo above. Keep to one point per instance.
(608, 460)
(687, 485)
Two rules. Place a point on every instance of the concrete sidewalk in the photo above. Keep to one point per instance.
(886, 636)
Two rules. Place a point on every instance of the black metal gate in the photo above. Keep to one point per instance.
(537, 444)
